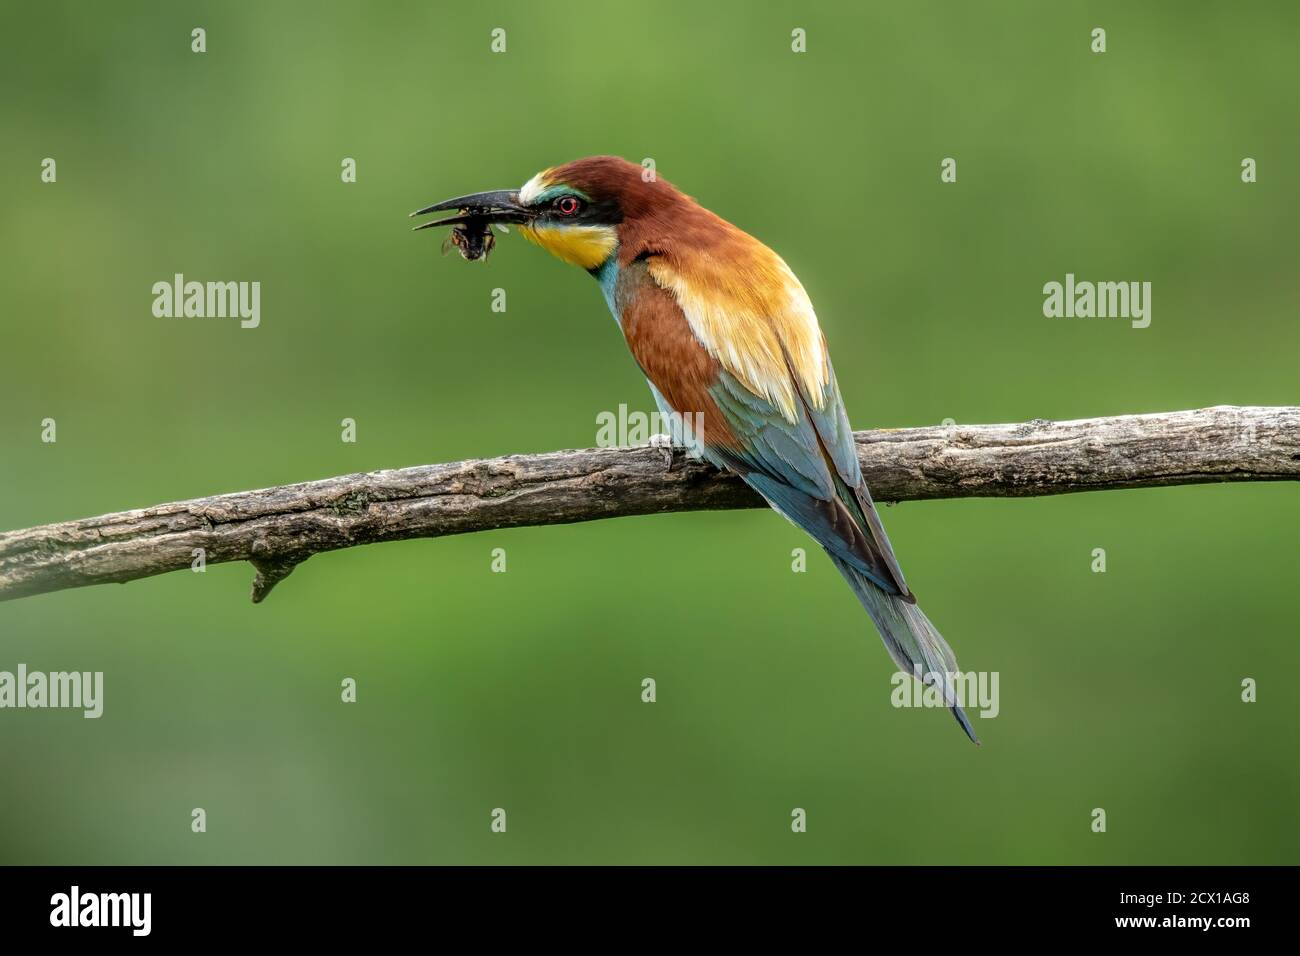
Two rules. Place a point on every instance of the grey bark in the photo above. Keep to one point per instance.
(276, 529)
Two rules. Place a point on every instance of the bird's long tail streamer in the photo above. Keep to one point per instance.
(912, 641)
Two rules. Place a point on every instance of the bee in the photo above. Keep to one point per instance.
(473, 238)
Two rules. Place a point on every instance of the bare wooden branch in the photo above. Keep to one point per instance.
(277, 528)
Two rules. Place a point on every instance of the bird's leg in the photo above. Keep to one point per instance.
(665, 444)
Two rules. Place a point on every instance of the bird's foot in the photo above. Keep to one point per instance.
(665, 444)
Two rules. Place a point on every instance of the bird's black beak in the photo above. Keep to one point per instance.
(498, 206)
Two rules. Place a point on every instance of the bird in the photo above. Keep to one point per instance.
(726, 335)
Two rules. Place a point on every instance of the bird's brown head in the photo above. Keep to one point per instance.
(576, 211)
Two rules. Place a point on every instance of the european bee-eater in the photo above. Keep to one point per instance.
(724, 330)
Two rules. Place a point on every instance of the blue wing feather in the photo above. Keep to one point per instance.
(808, 471)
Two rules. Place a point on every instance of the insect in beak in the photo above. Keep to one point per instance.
(472, 232)
(474, 239)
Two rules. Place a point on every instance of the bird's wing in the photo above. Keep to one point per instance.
(748, 355)
(801, 469)
(831, 423)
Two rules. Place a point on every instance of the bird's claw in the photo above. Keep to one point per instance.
(665, 444)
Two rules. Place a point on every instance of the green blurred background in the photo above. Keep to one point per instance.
(522, 690)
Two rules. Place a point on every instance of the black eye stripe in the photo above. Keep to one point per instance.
(599, 211)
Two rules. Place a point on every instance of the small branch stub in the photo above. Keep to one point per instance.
(268, 574)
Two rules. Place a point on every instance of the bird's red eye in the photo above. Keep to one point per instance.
(567, 205)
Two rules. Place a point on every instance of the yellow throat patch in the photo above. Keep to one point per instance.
(585, 246)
